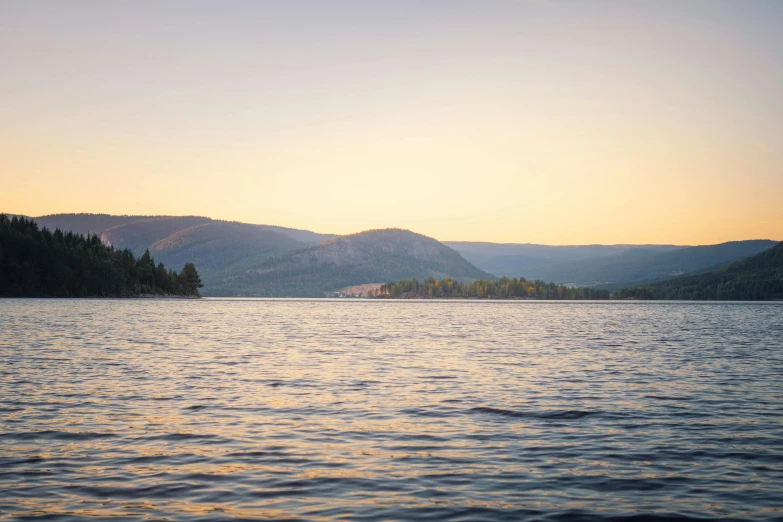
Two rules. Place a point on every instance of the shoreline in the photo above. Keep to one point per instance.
(138, 296)
(161, 296)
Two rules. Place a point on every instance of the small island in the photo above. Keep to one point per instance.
(35, 262)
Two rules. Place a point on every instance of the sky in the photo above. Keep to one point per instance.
(555, 122)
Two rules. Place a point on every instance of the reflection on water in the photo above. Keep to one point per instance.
(213, 409)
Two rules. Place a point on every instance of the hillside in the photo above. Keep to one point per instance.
(755, 278)
(367, 257)
(141, 234)
(601, 265)
(221, 249)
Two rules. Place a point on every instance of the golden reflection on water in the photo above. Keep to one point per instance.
(323, 410)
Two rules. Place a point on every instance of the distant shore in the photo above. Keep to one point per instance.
(161, 296)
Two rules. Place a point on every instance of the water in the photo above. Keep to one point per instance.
(230, 409)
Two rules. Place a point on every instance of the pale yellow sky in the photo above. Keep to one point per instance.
(553, 122)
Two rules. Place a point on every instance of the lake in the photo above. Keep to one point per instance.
(329, 409)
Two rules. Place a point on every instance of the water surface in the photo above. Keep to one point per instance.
(288, 409)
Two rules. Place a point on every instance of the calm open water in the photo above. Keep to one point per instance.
(224, 409)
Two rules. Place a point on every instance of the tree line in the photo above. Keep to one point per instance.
(503, 288)
(35, 262)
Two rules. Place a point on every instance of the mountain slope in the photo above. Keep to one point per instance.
(139, 235)
(221, 249)
(367, 257)
(599, 264)
(303, 236)
(538, 261)
(638, 264)
(755, 278)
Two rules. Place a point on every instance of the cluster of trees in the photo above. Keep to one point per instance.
(755, 278)
(39, 263)
(503, 288)
(638, 292)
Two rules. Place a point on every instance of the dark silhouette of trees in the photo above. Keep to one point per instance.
(189, 280)
(39, 263)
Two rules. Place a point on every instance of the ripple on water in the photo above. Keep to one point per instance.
(294, 410)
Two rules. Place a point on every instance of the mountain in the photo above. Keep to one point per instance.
(755, 278)
(367, 257)
(600, 264)
(538, 261)
(220, 249)
(236, 258)
(542, 253)
(221, 243)
(225, 252)
(639, 264)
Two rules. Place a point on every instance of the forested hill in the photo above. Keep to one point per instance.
(367, 257)
(618, 265)
(35, 262)
(758, 277)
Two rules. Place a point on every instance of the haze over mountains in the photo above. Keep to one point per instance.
(265, 260)
(601, 265)
(758, 277)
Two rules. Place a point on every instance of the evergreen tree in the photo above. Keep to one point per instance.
(38, 263)
(190, 280)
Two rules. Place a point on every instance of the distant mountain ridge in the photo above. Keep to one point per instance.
(757, 277)
(139, 235)
(228, 252)
(101, 223)
(596, 265)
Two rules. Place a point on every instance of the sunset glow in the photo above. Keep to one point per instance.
(554, 122)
